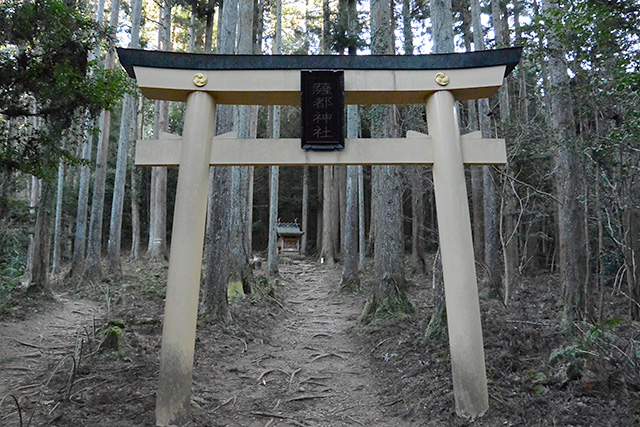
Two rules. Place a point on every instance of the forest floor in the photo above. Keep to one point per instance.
(297, 355)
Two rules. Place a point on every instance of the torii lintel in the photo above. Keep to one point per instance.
(275, 79)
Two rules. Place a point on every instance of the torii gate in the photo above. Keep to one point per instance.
(204, 81)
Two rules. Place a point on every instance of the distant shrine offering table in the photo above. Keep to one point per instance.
(322, 85)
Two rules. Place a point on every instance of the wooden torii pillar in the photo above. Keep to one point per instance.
(204, 81)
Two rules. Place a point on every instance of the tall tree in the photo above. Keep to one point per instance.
(330, 222)
(489, 190)
(80, 240)
(242, 176)
(508, 238)
(362, 247)
(305, 210)
(414, 173)
(328, 254)
(216, 279)
(49, 83)
(389, 288)
(57, 222)
(126, 127)
(135, 195)
(350, 272)
(274, 181)
(568, 175)
(468, 26)
(94, 242)
(157, 245)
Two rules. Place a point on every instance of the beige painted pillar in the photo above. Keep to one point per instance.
(183, 285)
(460, 284)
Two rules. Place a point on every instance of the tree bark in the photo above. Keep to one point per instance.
(157, 245)
(39, 273)
(128, 113)
(508, 234)
(361, 219)
(413, 173)
(216, 279)
(215, 304)
(340, 215)
(350, 272)
(94, 245)
(208, 31)
(389, 288)
(57, 222)
(272, 258)
(34, 202)
(568, 177)
(327, 251)
(325, 41)
(305, 210)
(489, 190)
(417, 219)
(80, 240)
(135, 211)
(476, 171)
(319, 198)
(240, 269)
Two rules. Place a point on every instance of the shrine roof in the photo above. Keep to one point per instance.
(289, 229)
(130, 58)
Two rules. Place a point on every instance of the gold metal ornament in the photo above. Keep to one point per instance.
(200, 80)
(442, 79)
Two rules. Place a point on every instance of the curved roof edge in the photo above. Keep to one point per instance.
(130, 58)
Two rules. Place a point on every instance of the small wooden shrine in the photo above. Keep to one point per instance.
(289, 237)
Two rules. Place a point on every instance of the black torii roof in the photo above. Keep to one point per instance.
(199, 61)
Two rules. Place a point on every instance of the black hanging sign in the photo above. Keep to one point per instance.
(322, 110)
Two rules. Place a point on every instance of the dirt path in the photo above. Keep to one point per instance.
(293, 360)
(296, 360)
(29, 346)
(310, 369)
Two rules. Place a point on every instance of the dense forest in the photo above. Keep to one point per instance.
(74, 209)
(69, 196)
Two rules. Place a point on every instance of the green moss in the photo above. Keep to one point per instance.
(117, 322)
(235, 291)
(112, 339)
(397, 306)
(437, 328)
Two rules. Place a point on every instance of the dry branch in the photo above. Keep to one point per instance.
(268, 371)
(321, 334)
(226, 402)
(310, 396)
(355, 421)
(270, 415)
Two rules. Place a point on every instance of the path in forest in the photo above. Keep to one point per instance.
(295, 361)
(311, 370)
(30, 345)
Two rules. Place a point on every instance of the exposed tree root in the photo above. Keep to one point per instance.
(437, 328)
(323, 355)
(395, 306)
(349, 285)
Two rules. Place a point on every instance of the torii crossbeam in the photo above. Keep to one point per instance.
(204, 81)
